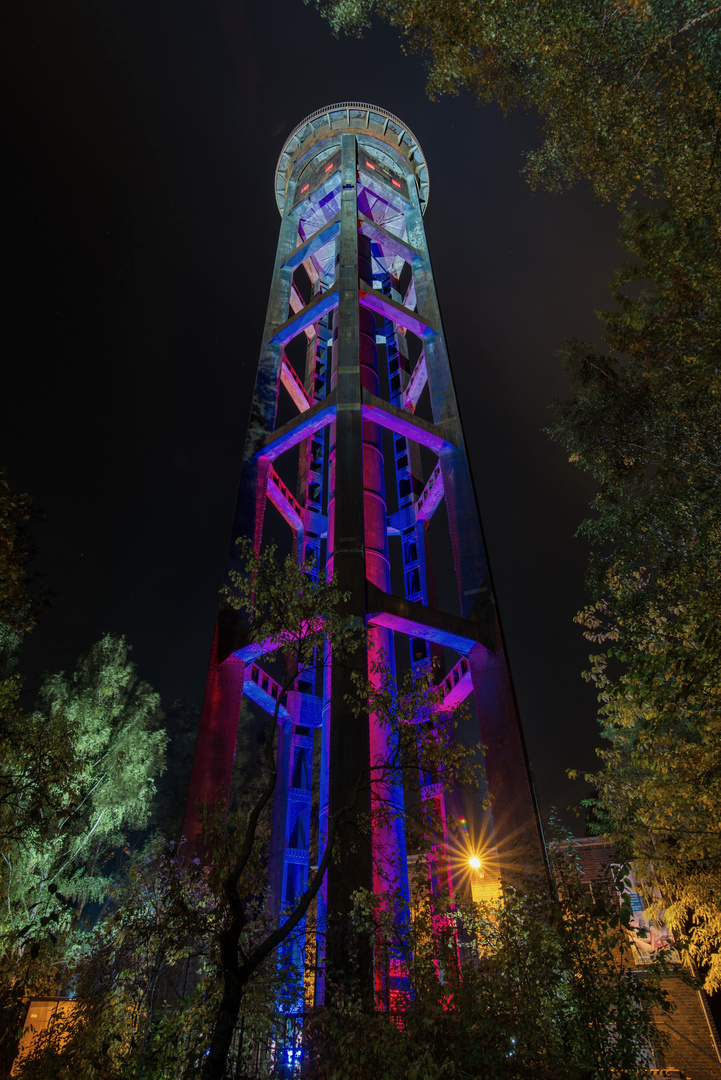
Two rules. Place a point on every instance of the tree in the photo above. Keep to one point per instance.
(24, 776)
(109, 722)
(146, 980)
(81, 770)
(628, 99)
(645, 421)
(546, 989)
(161, 921)
(627, 93)
(76, 775)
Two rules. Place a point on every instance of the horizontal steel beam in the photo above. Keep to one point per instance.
(397, 313)
(313, 311)
(427, 623)
(299, 428)
(403, 423)
(313, 243)
(388, 241)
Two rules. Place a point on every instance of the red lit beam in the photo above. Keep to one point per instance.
(294, 386)
(284, 501)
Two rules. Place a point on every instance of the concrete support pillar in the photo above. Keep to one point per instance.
(215, 747)
(515, 817)
(348, 739)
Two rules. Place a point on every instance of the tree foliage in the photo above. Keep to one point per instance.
(147, 979)
(627, 93)
(19, 602)
(77, 772)
(28, 765)
(645, 420)
(628, 99)
(160, 921)
(99, 746)
(543, 989)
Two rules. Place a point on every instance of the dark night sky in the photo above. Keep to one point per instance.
(141, 230)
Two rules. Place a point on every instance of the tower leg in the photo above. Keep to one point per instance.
(348, 738)
(214, 747)
(515, 818)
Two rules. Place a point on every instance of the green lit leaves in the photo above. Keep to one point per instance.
(286, 610)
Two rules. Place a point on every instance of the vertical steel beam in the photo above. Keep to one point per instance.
(348, 747)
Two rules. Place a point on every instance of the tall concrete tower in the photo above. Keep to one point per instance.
(355, 439)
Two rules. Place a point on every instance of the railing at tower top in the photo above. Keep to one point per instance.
(402, 140)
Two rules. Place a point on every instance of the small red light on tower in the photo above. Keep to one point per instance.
(396, 183)
(329, 166)
(370, 165)
(304, 188)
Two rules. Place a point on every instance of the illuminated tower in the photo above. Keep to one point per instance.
(355, 439)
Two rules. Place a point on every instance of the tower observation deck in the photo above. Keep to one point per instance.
(355, 440)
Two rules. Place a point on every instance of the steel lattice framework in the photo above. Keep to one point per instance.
(353, 273)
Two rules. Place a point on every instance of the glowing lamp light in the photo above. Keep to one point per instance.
(396, 183)
(370, 165)
(304, 188)
(474, 862)
(329, 167)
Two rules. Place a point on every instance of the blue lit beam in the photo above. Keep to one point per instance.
(457, 685)
(313, 311)
(264, 691)
(383, 189)
(299, 428)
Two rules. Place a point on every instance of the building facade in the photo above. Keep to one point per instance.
(694, 1050)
